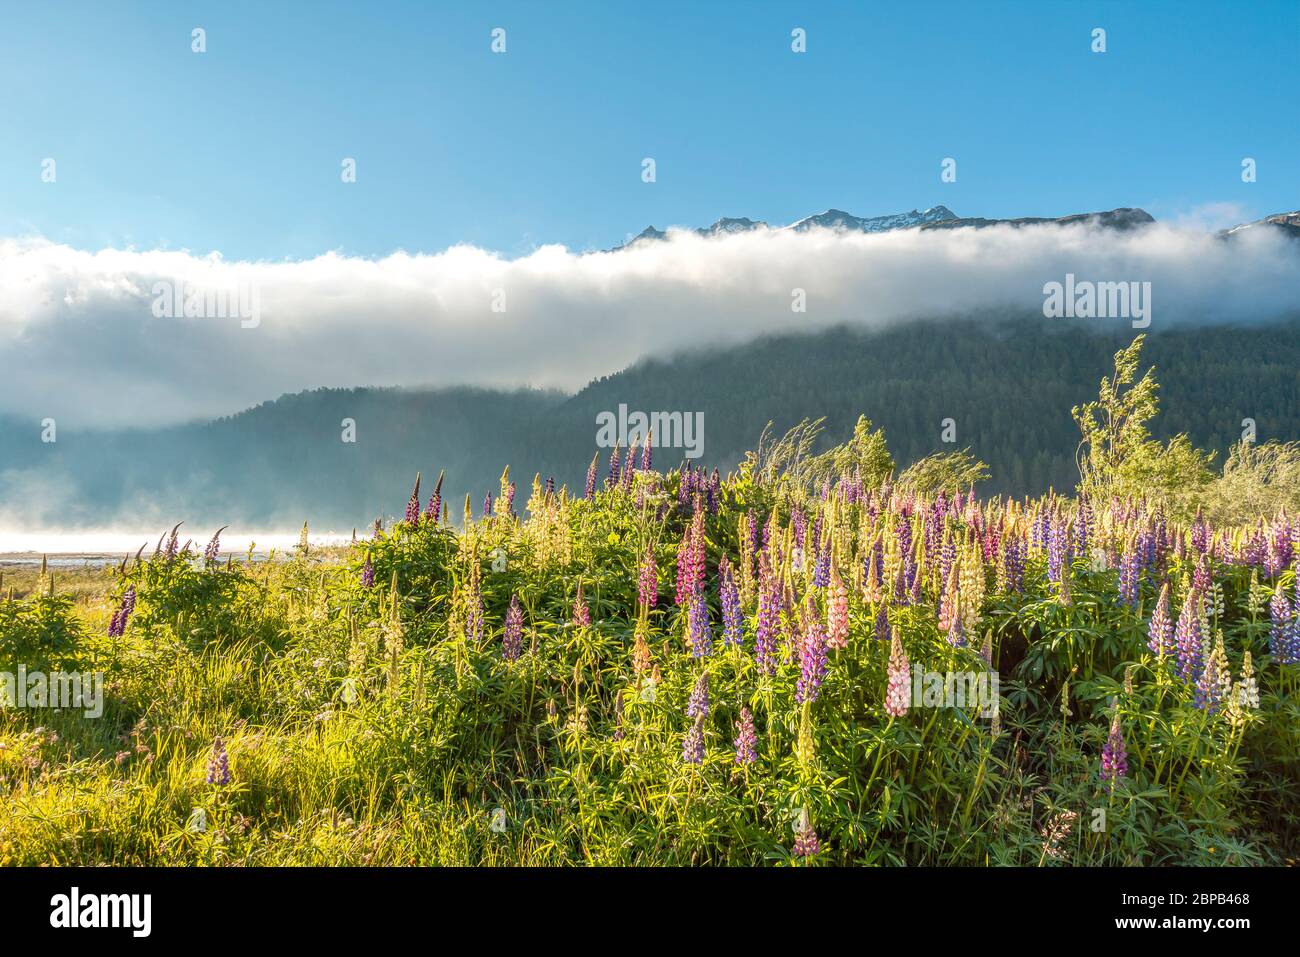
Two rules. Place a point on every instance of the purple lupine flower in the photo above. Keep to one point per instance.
(434, 512)
(769, 617)
(591, 476)
(413, 503)
(1280, 548)
(1209, 686)
(1279, 635)
(612, 478)
(487, 505)
(805, 840)
(812, 655)
(510, 499)
(1083, 526)
(882, 623)
(213, 550)
(799, 522)
(746, 739)
(549, 490)
(1200, 533)
(697, 706)
(581, 613)
(368, 574)
(1114, 756)
(1201, 580)
(701, 634)
(732, 633)
(1055, 550)
(957, 634)
(173, 545)
(647, 458)
(822, 567)
(117, 624)
(219, 764)
(1014, 562)
(512, 638)
(1160, 634)
(693, 744)
(648, 580)
(1129, 572)
(1187, 637)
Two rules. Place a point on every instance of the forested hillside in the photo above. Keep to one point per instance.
(1007, 385)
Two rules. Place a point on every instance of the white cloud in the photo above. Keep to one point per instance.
(78, 340)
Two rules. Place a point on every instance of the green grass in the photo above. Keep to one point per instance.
(365, 726)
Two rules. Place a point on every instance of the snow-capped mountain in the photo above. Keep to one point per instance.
(936, 217)
(838, 219)
(1286, 223)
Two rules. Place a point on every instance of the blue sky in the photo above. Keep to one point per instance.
(238, 150)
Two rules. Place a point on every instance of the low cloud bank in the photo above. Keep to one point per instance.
(82, 340)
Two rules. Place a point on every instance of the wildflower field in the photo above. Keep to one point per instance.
(679, 667)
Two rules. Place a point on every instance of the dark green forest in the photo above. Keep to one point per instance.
(1007, 384)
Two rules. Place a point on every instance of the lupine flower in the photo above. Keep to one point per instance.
(837, 612)
(1201, 580)
(1209, 684)
(1161, 631)
(746, 739)
(1247, 689)
(117, 624)
(732, 629)
(612, 479)
(213, 550)
(693, 745)
(1129, 572)
(701, 634)
(897, 694)
(769, 617)
(1114, 756)
(512, 639)
(1015, 565)
(219, 764)
(948, 605)
(957, 634)
(434, 512)
(368, 574)
(1187, 638)
(413, 504)
(581, 613)
(882, 630)
(647, 579)
(822, 568)
(591, 477)
(698, 704)
(1279, 635)
(812, 655)
(805, 838)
